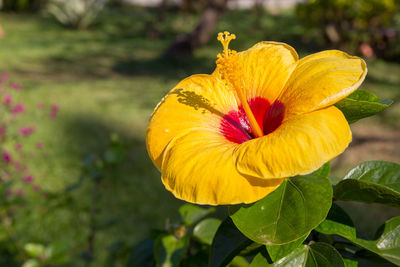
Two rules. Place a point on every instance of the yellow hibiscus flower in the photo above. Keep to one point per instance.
(263, 115)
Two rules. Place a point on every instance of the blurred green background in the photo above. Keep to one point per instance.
(107, 64)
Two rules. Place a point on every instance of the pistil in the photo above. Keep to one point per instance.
(230, 72)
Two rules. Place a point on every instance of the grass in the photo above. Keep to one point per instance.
(107, 80)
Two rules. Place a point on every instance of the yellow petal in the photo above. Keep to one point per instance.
(197, 101)
(321, 80)
(198, 167)
(300, 145)
(265, 68)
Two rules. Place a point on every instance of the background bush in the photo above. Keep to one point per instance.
(77, 14)
(23, 5)
(353, 24)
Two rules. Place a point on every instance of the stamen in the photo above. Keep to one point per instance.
(230, 72)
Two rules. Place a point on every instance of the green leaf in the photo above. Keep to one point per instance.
(239, 261)
(169, 250)
(387, 245)
(361, 104)
(205, 230)
(252, 249)
(337, 223)
(373, 181)
(277, 252)
(296, 207)
(323, 254)
(190, 214)
(380, 172)
(350, 263)
(259, 261)
(317, 254)
(321, 172)
(227, 243)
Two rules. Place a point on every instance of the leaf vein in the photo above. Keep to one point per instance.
(304, 201)
(279, 211)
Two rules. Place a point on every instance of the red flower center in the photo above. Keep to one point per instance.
(235, 125)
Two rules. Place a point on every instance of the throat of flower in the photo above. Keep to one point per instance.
(230, 72)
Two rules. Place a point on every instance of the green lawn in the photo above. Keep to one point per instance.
(107, 80)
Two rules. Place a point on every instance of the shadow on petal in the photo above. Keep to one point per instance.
(196, 101)
(254, 181)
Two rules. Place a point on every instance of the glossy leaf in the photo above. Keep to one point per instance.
(297, 206)
(169, 250)
(239, 261)
(361, 104)
(337, 222)
(350, 263)
(315, 255)
(191, 214)
(387, 245)
(205, 230)
(227, 243)
(259, 261)
(323, 254)
(277, 252)
(374, 181)
(323, 171)
(380, 172)
(252, 249)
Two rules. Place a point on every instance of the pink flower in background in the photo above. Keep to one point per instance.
(13, 160)
(25, 168)
(4, 77)
(14, 164)
(10, 192)
(367, 50)
(36, 188)
(18, 146)
(20, 192)
(54, 111)
(7, 99)
(16, 86)
(39, 145)
(25, 131)
(28, 179)
(17, 165)
(18, 108)
(7, 157)
(41, 106)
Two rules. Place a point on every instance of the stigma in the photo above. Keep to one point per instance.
(230, 71)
